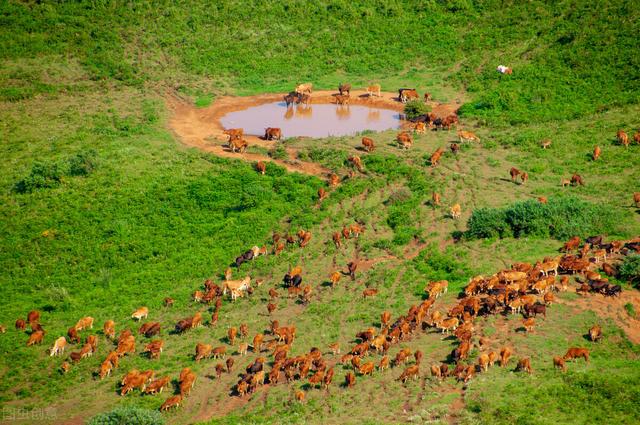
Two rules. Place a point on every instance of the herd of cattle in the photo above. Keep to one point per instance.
(524, 288)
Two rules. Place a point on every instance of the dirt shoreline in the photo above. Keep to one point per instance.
(201, 128)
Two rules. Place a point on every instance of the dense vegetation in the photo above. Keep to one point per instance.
(560, 218)
(103, 211)
(569, 59)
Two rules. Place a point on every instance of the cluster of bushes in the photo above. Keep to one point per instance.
(48, 174)
(560, 218)
(415, 108)
(630, 269)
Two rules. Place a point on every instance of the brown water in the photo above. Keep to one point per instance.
(320, 120)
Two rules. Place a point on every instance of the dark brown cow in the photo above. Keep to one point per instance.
(622, 138)
(577, 179)
(261, 167)
(574, 353)
(344, 88)
(514, 172)
(271, 133)
(368, 144)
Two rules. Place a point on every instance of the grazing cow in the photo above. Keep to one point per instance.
(455, 148)
(261, 167)
(257, 343)
(576, 179)
(565, 182)
(304, 99)
(435, 157)
(529, 324)
(483, 362)
(546, 143)
(85, 323)
(449, 324)
(229, 364)
(374, 90)
(156, 386)
(168, 302)
(344, 88)
(304, 88)
(322, 194)
(574, 353)
(299, 394)
(427, 97)
(203, 351)
(596, 153)
(357, 162)
(234, 133)
(154, 348)
(171, 402)
(367, 368)
(369, 293)
(352, 267)
(406, 95)
(58, 346)
(109, 329)
(524, 365)
(467, 135)
(33, 317)
(435, 371)
(303, 238)
(514, 172)
(505, 354)
(435, 199)
(368, 143)
(239, 145)
(21, 324)
(219, 352)
(535, 309)
(271, 133)
(150, 329)
(412, 372)
(420, 127)
(636, 137)
(595, 333)
(140, 313)
(636, 199)
(335, 278)
(72, 333)
(542, 199)
(456, 211)
(622, 138)
(333, 179)
(35, 338)
(571, 244)
(449, 121)
(558, 363)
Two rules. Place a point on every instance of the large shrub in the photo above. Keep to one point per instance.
(630, 269)
(415, 108)
(48, 174)
(128, 416)
(560, 218)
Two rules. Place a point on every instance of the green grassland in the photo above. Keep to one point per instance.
(103, 210)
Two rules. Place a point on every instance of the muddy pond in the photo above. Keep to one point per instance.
(314, 120)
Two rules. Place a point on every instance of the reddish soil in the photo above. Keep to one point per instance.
(613, 308)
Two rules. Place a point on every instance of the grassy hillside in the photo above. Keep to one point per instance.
(102, 210)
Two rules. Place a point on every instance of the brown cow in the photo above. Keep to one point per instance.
(35, 338)
(524, 177)
(636, 199)
(407, 94)
(436, 371)
(231, 335)
(369, 144)
(337, 239)
(456, 211)
(234, 133)
(574, 353)
(542, 199)
(33, 316)
(435, 158)
(636, 137)
(435, 198)
(156, 386)
(304, 88)
(261, 167)
(524, 365)
(357, 162)
(404, 140)
(271, 133)
(546, 143)
(342, 99)
(84, 323)
(173, 401)
(367, 368)
(596, 153)
(370, 292)
(168, 302)
(21, 324)
(109, 329)
(239, 145)
(203, 351)
(352, 267)
(374, 90)
(558, 362)
(455, 148)
(412, 372)
(571, 244)
(505, 354)
(622, 138)
(322, 194)
(344, 88)
(576, 179)
(595, 333)
(514, 172)
(467, 135)
(335, 278)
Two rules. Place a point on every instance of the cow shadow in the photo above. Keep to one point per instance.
(521, 329)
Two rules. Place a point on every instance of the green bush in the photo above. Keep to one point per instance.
(49, 174)
(279, 152)
(630, 269)
(560, 218)
(415, 108)
(128, 416)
